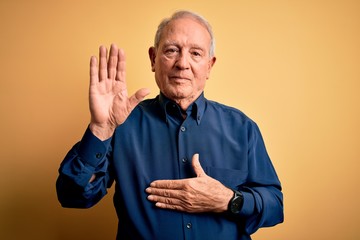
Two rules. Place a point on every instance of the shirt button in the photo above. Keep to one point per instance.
(188, 226)
(184, 160)
(98, 155)
(183, 129)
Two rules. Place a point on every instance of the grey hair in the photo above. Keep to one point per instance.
(183, 14)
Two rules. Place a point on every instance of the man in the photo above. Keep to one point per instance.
(185, 167)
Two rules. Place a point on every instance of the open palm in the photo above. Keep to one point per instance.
(108, 96)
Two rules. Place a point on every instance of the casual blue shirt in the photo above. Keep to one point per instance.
(157, 142)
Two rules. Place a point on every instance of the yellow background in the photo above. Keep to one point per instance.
(292, 66)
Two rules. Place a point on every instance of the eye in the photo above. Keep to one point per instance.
(196, 53)
(171, 51)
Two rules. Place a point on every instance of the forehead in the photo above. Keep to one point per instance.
(186, 30)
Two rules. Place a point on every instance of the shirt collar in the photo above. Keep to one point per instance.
(196, 109)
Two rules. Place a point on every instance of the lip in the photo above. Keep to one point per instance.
(179, 78)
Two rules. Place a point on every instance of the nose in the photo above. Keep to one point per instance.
(182, 61)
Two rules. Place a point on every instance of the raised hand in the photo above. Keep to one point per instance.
(199, 194)
(108, 96)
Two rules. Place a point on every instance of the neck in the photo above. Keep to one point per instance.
(183, 103)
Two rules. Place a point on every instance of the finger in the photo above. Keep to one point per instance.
(173, 203)
(103, 63)
(169, 206)
(112, 62)
(94, 78)
(155, 194)
(121, 66)
(138, 97)
(164, 200)
(166, 184)
(168, 203)
(199, 171)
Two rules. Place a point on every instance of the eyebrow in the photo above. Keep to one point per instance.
(192, 46)
(167, 43)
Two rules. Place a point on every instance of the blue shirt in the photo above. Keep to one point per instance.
(156, 142)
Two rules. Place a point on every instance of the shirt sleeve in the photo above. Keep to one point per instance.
(88, 157)
(263, 199)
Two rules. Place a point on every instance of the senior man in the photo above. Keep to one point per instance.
(185, 167)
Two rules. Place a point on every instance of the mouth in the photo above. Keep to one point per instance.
(179, 78)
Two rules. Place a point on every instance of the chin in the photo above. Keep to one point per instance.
(181, 95)
(177, 93)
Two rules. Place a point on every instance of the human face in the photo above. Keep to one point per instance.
(182, 62)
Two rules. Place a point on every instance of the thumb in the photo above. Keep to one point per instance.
(199, 171)
(138, 96)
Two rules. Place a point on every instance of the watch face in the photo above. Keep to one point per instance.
(236, 204)
(235, 207)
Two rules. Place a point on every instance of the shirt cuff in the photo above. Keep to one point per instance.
(248, 204)
(92, 150)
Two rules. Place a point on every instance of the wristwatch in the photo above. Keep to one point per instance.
(236, 202)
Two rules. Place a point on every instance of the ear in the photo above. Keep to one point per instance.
(210, 65)
(152, 56)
